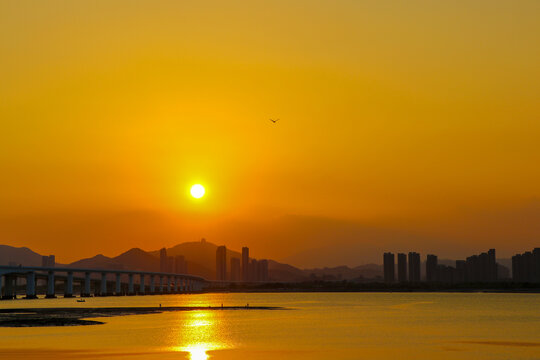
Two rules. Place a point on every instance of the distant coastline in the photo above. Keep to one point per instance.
(502, 287)
(46, 317)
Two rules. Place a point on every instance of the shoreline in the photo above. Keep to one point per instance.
(48, 317)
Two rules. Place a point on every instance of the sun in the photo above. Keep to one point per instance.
(197, 191)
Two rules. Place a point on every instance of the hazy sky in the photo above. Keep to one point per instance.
(404, 125)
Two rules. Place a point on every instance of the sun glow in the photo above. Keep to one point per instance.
(197, 191)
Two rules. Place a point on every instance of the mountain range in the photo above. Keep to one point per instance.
(201, 260)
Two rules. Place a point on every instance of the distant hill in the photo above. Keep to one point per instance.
(96, 262)
(201, 258)
(22, 255)
(134, 259)
(138, 259)
(358, 273)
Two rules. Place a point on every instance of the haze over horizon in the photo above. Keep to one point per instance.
(404, 127)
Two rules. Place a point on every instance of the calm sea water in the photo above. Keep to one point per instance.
(317, 326)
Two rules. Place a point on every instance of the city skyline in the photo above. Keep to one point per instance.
(107, 126)
(307, 180)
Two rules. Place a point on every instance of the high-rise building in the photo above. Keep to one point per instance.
(491, 266)
(461, 271)
(253, 269)
(536, 265)
(48, 261)
(180, 265)
(389, 271)
(431, 267)
(236, 274)
(402, 267)
(163, 260)
(481, 268)
(221, 263)
(526, 267)
(263, 266)
(414, 267)
(170, 264)
(245, 264)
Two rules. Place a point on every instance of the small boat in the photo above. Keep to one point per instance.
(81, 300)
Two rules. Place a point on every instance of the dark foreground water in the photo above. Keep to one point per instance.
(318, 326)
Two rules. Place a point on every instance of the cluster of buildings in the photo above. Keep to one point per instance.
(526, 266)
(172, 264)
(244, 269)
(476, 268)
(48, 261)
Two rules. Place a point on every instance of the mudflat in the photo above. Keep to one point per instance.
(38, 317)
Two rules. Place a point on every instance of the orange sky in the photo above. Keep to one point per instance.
(418, 119)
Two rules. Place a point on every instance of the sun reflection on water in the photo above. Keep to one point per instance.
(198, 334)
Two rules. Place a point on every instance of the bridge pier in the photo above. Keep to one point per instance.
(169, 283)
(50, 286)
(31, 285)
(68, 291)
(131, 288)
(118, 290)
(141, 290)
(103, 290)
(87, 280)
(9, 293)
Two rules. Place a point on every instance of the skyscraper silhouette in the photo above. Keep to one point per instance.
(414, 267)
(431, 267)
(180, 265)
(221, 263)
(526, 267)
(163, 260)
(236, 274)
(245, 264)
(402, 267)
(264, 270)
(253, 268)
(389, 271)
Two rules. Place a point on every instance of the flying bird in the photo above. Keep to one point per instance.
(274, 121)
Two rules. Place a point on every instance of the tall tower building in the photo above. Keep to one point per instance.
(236, 274)
(253, 270)
(414, 267)
(492, 266)
(245, 264)
(221, 263)
(263, 270)
(163, 260)
(389, 271)
(431, 267)
(536, 265)
(170, 264)
(180, 265)
(402, 267)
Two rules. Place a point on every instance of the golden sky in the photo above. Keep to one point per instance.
(417, 117)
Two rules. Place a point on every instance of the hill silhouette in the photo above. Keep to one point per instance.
(201, 260)
(21, 255)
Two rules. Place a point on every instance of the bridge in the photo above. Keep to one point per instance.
(159, 282)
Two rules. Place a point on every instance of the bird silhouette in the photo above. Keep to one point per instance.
(274, 121)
